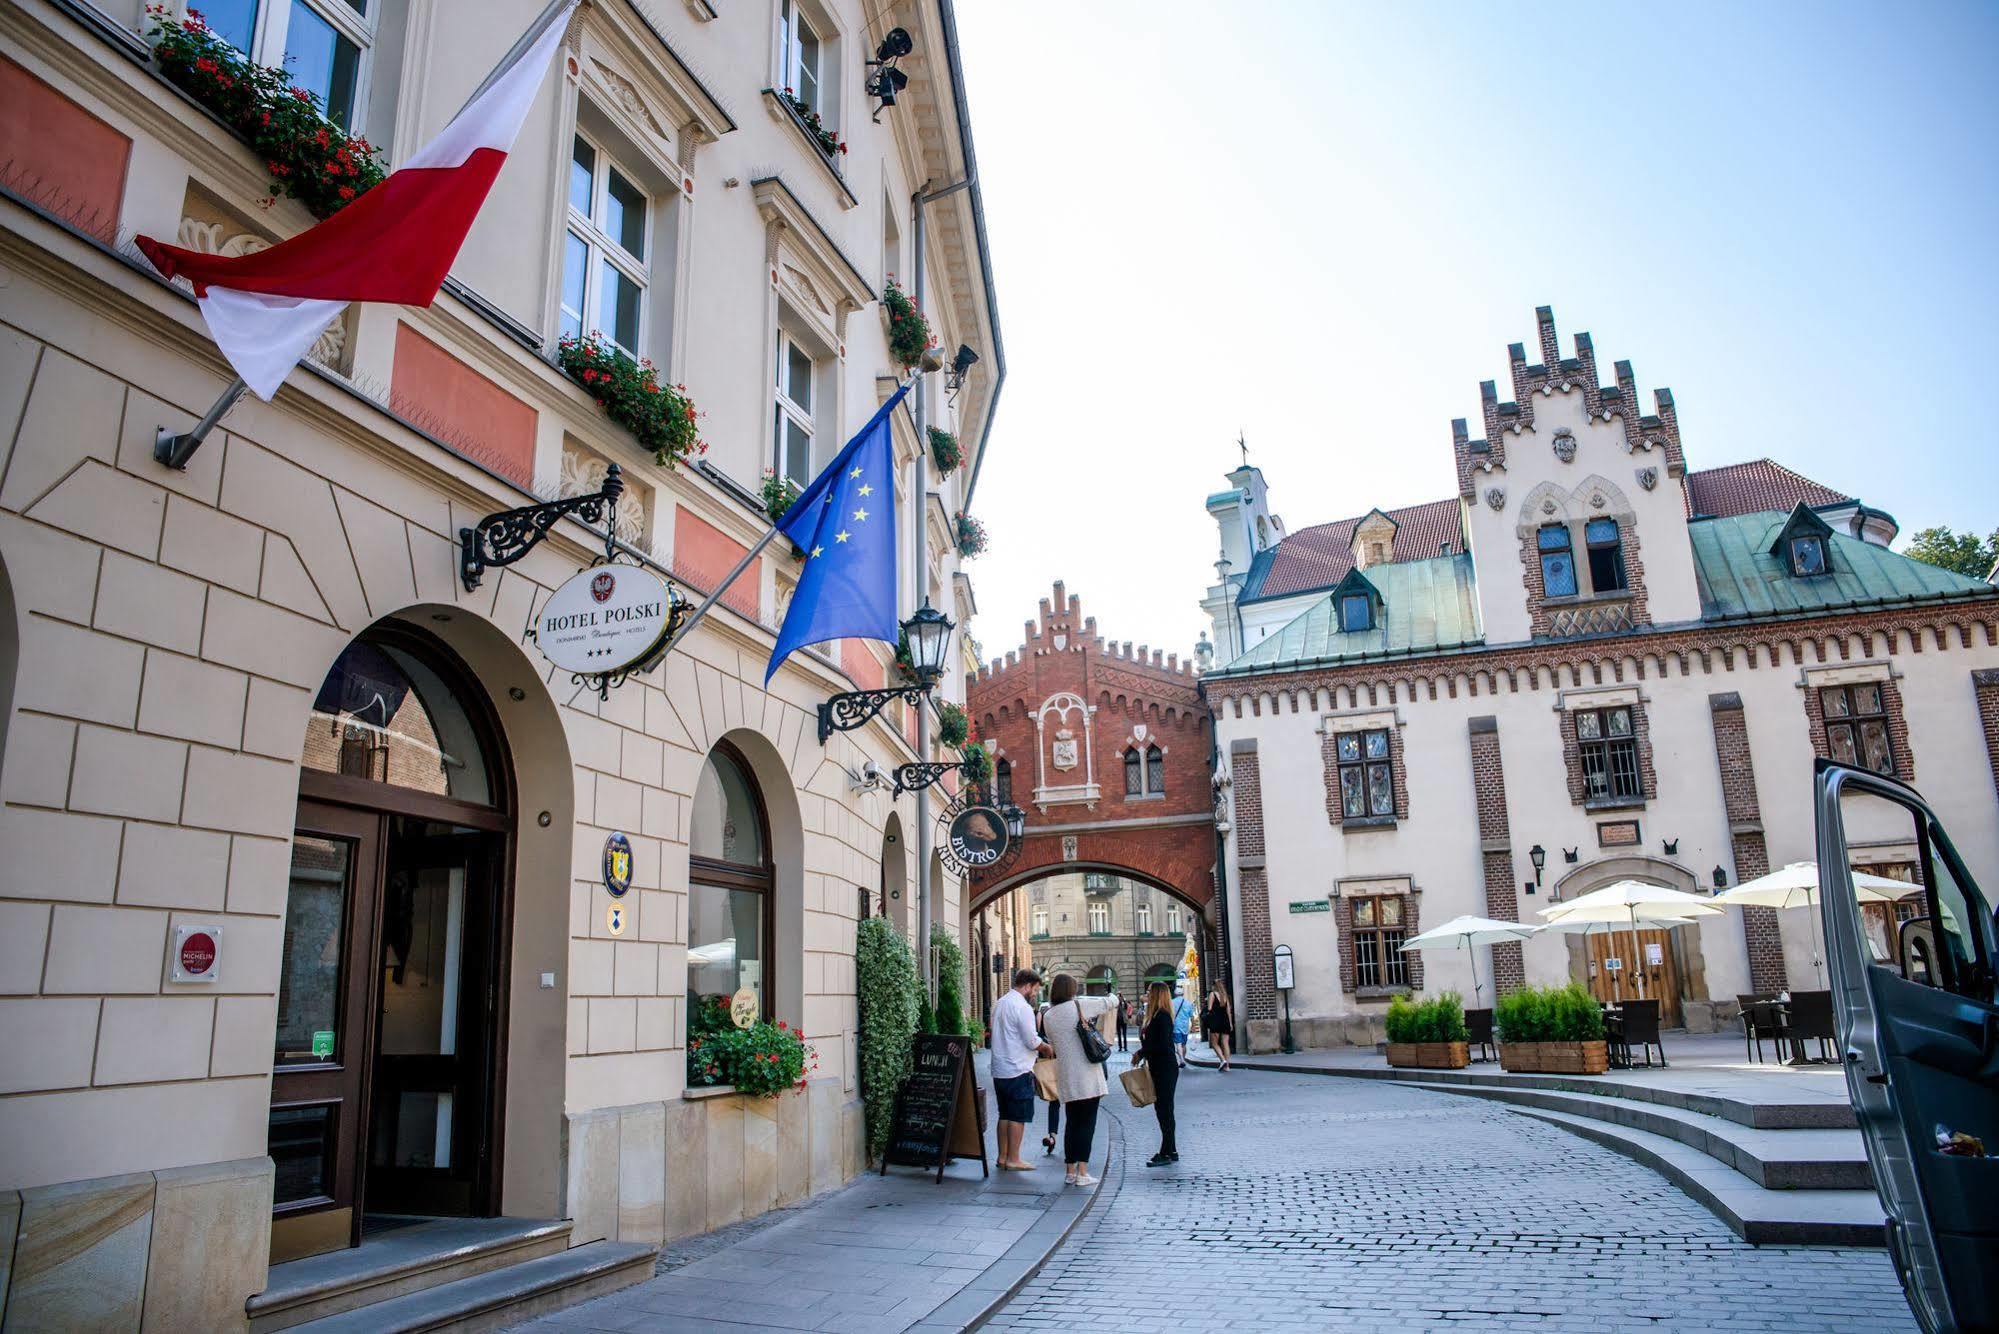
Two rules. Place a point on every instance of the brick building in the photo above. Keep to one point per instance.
(1107, 747)
(1592, 656)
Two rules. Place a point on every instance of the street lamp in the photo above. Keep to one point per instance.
(928, 634)
(1016, 822)
(1539, 856)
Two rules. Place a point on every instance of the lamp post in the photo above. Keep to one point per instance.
(1281, 970)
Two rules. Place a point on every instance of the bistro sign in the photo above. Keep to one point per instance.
(978, 837)
(605, 620)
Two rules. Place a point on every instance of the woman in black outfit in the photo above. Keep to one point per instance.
(1220, 1024)
(1155, 1050)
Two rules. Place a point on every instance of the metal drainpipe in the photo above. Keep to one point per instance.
(1221, 859)
(919, 590)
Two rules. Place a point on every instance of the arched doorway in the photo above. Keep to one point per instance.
(388, 1077)
(1102, 980)
(731, 893)
(1609, 959)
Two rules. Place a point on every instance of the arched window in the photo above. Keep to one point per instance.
(1003, 780)
(729, 891)
(1134, 773)
(384, 714)
(1155, 771)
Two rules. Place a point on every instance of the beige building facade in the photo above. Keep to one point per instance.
(1591, 664)
(258, 732)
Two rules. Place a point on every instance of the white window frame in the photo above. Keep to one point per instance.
(1038, 921)
(1100, 913)
(599, 245)
(790, 410)
(791, 64)
(1172, 919)
(1144, 915)
(273, 25)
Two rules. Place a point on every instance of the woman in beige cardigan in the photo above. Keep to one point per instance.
(1078, 1079)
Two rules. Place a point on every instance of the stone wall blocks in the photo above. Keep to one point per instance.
(577, 1027)
(80, 1259)
(243, 1028)
(78, 673)
(659, 813)
(285, 583)
(435, 562)
(145, 415)
(515, 597)
(245, 794)
(643, 759)
(164, 866)
(101, 503)
(105, 951)
(253, 953)
(617, 805)
(274, 719)
(259, 875)
(35, 771)
(687, 1168)
(381, 550)
(73, 414)
(192, 700)
(642, 1173)
(613, 1024)
(51, 572)
(635, 968)
(211, 1243)
(590, 967)
(19, 356)
(209, 544)
(46, 1044)
(266, 640)
(24, 941)
(593, 743)
(660, 719)
(57, 855)
(725, 1161)
(655, 1024)
(143, 1040)
(590, 1197)
(285, 498)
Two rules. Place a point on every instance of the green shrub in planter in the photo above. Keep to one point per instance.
(1439, 1019)
(886, 990)
(760, 1061)
(1548, 1014)
(950, 982)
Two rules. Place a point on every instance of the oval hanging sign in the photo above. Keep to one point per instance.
(605, 620)
(978, 836)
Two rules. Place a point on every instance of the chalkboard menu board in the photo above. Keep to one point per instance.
(939, 1114)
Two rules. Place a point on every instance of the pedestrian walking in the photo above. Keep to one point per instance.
(1156, 1053)
(1220, 1023)
(1124, 1026)
(1078, 1078)
(1183, 1021)
(1015, 1047)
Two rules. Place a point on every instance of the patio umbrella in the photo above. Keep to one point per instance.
(1797, 886)
(1626, 901)
(1468, 933)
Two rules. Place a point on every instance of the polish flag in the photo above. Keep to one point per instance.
(395, 243)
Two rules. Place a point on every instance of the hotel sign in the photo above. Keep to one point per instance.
(605, 620)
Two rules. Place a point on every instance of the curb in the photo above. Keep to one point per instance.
(1002, 1280)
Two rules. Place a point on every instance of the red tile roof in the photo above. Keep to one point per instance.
(1746, 488)
(1318, 557)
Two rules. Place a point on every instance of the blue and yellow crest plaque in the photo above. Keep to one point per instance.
(617, 864)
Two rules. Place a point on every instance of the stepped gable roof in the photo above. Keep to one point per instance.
(1318, 557)
(1427, 606)
(1741, 577)
(1752, 487)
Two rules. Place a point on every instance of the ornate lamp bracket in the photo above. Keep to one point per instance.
(856, 708)
(503, 538)
(922, 774)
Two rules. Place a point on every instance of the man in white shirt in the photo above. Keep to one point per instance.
(1016, 1045)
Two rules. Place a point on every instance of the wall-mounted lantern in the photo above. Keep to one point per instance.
(928, 634)
(1539, 856)
(1720, 879)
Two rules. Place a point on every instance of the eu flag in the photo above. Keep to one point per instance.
(845, 524)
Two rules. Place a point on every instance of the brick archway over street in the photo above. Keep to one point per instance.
(1108, 749)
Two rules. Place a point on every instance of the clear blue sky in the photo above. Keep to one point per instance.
(1322, 224)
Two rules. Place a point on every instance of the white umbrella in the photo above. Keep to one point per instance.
(1626, 901)
(1797, 886)
(1468, 933)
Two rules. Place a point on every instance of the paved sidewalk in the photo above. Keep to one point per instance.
(881, 1254)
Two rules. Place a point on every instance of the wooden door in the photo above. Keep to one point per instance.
(1620, 982)
(319, 1094)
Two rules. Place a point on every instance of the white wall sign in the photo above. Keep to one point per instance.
(1654, 954)
(1282, 968)
(604, 620)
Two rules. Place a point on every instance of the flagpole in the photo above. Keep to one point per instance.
(174, 449)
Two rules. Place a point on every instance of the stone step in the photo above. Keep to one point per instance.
(501, 1297)
(1772, 1159)
(1764, 1217)
(400, 1261)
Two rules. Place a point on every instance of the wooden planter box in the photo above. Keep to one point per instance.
(1555, 1058)
(1430, 1055)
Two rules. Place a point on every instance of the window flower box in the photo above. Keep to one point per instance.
(945, 451)
(830, 144)
(1429, 1055)
(663, 417)
(970, 535)
(909, 335)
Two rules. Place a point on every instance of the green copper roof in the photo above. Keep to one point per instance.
(1739, 578)
(1426, 606)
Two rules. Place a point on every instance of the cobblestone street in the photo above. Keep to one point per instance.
(1310, 1204)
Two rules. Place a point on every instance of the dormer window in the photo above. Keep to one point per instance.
(1804, 544)
(1558, 561)
(1356, 613)
(1606, 556)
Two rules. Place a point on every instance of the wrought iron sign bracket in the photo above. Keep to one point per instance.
(922, 774)
(503, 538)
(855, 708)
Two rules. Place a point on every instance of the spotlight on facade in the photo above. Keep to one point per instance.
(894, 46)
(886, 81)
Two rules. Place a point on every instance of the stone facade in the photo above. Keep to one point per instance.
(1724, 743)
(163, 633)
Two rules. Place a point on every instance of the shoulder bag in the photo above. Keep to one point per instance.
(1094, 1047)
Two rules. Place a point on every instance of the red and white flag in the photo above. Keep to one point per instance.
(395, 243)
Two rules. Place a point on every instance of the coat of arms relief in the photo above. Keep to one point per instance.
(1063, 754)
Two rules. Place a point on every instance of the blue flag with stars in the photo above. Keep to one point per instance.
(845, 524)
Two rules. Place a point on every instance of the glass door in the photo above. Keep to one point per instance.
(319, 1065)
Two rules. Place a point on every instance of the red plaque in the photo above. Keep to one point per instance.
(197, 954)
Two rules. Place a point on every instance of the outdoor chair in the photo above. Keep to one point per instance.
(1641, 1029)
(1478, 1027)
(1755, 1009)
(1810, 1018)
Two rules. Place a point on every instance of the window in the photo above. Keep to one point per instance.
(1038, 921)
(1367, 783)
(1356, 613)
(1100, 919)
(1003, 780)
(1144, 919)
(729, 891)
(1606, 556)
(1558, 562)
(795, 372)
(604, 265)
(1144, 772)
(1609, 751)
(1172, 919)
(799, 56)
(1808, 556)
(1378, 960)
(1856, 727)
(321, 45)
